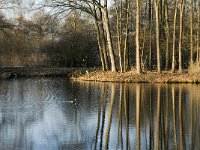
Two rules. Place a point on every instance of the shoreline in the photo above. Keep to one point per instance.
(11, 72)
(94, 74)
(133, 77)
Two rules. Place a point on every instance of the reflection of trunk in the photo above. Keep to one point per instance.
(103, 116)
(138, 114)
(180, 119)
(151, 137)
(109, 39)
(167, 119)
(191, 122)
(120, 141)
(158, 120)
(112, 100)
(174, 37)
(126, 109)
(174, 116)
(99, 114)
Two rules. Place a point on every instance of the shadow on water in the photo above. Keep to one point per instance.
(42, 113)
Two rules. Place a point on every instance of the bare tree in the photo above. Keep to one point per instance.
(137, 38)
(174, 35)
(182, 5)
(191, 31)
(156, 5)
(167, 34)
(109, 39)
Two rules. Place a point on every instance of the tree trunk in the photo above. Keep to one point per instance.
(156, 4)
(137, 38)
(109, 39)
(126, 37)
(119, 32)
(150, 36)
(167, 35)
(191, 32)
(174, 37)
(99, 40)
(198, 25)
(182, 4)
(103, 37)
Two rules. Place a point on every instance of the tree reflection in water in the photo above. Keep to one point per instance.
(34, 114)
(149, 116)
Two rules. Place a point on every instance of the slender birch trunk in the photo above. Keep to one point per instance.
(167, 34)
(182, 4)
(174, 37)
(109, 39)
(126, 37)
(137, 38)
(119, 32)
(191, 32)
(150, 32)
(156, 5)
(198, 28)
(99, 40)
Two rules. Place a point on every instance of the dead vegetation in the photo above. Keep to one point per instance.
(133, 77)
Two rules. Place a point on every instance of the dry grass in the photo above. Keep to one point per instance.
(194, 68)
(133, 77)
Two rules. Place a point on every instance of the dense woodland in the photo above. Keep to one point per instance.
(118, 35)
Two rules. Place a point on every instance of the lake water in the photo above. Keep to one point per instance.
(39, 114)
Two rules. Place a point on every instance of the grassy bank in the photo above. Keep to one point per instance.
(133, 77)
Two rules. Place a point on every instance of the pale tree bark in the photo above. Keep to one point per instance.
(137, 38)
(126, 37)
(191, 32)
(174, 36)
(109, 39)
(150, 33)
(166, 34)
(99, 41)
(198, 28)
(182, 4)
(119, 31)
(156, 5)
(103, 37)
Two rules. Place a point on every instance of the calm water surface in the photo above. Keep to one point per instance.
(39, 114)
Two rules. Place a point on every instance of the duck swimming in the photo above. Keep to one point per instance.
(74, 101)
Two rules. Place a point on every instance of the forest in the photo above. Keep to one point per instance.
(117, 35)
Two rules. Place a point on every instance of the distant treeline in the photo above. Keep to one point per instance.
(46, 41)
